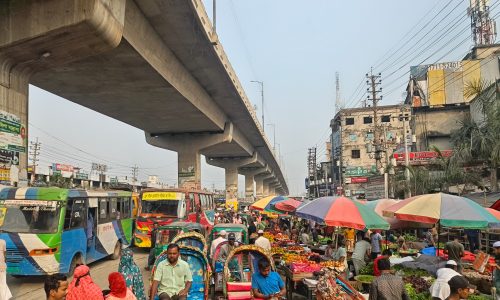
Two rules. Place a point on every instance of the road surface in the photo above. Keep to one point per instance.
(31, 288)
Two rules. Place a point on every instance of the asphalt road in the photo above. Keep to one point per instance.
(31, 288)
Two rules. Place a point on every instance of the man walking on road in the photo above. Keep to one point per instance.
(455, 251)
(151, 257)
(172, 279)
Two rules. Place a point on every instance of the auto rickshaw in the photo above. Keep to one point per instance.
(193, 239)
(167, 233)
(200, 269)
(239, 230)
(239, 267)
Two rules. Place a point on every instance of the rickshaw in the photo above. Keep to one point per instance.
(239, 230)
(200, 269)
(167, 233)
(239, 267)
(218, 268)
(193, 239)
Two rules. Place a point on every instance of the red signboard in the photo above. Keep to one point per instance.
(359, 179)
(422, 156)
(61, 167)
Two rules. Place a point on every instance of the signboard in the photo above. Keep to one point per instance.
(12, 132)
(9, 157)
(360, 171)
(62, 168)
(82, 176)
(5, 175)
(421, 157)
(359, 179)
(162, 196)
(376, 189)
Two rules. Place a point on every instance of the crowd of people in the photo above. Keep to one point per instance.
(172, 278)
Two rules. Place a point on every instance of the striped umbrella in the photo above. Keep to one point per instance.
(447, 210)
(262, 203)
(288, 205)
(343, 212)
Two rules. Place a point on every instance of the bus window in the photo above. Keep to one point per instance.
(75, 214)
(212, 205)
(113, 214)
(203, 201)
(103, 210)
(123, 208)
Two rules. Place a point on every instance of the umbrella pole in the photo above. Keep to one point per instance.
(437, 242)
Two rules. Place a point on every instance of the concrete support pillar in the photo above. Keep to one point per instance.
(249, 187)
(231, 166)
(259, 187)
(251, 176)
(189, 168)
(231, 182)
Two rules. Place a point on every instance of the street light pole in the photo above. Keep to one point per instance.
(262, 97)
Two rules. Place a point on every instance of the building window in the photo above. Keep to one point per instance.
(367, 120)
(369, 136)
(353, 137)
(386, 119)
(349, 121)
(355, 154)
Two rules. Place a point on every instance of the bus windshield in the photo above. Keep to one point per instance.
(167, 208)
(29, 216)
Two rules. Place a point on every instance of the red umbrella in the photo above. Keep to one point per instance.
(288, 205)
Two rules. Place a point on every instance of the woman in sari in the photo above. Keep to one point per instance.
(118, 288)
(82, 286)
(132, 274)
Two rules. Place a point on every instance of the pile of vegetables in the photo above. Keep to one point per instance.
(367, 270)
(366, 279)
(412, 293)
(418, 283)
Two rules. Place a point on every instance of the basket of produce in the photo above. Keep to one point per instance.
(409, 252)
(365, 281)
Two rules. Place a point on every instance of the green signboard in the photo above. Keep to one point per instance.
(360, 171)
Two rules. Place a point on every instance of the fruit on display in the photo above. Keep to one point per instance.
(418, 283)
(293, 257)
(331, 264)
(295, 248)
(277, 250)
(307, 267)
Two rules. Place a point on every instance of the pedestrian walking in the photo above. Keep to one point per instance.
(132, 274)
(360, 254)
(376, 243)
(82, 286)
(455, 251)
(118, 288)
(496, 272)
(172, 278)
(151, 256)
(56, 286)
(5, 293)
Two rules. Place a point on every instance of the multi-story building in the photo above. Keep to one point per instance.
(362, 147)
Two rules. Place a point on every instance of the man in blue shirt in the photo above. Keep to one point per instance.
(267, 284)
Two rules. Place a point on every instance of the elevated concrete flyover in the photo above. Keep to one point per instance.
(153, 64)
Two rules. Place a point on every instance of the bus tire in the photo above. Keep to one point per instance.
(117, 251)
(75, 261)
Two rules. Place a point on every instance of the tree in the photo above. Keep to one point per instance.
(478, 139)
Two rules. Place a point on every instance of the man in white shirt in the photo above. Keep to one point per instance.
(262, 242)
(217, 241)
(440, 288)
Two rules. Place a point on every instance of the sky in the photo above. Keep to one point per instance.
(294, 47)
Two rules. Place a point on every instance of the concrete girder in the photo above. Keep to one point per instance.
(31, 42)
(189, 147)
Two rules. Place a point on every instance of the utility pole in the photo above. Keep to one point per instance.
(274, 136)
(373, 82)
(35, 152)
(262, 98)
(135, 173)
(214, 13)
(405, 116)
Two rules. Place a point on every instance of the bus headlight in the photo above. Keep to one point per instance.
(39, 252)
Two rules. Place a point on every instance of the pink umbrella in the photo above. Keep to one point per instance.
(289, 205)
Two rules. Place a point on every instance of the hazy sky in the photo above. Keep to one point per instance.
(295, 48)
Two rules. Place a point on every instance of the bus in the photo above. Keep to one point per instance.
(50, 230)
(165, 206)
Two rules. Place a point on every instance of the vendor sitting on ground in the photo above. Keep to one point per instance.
(267, 284)
(402, 243)
(440, 288)
(329, 250)
(341, 256)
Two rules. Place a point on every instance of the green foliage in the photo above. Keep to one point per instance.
(479, 297)
(412, 293)
(367, 270)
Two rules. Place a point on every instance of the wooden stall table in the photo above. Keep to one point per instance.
(292, 279)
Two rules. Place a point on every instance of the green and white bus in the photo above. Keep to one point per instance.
(50, 230)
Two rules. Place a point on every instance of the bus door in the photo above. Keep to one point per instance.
(74, 239)
(91, 229)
